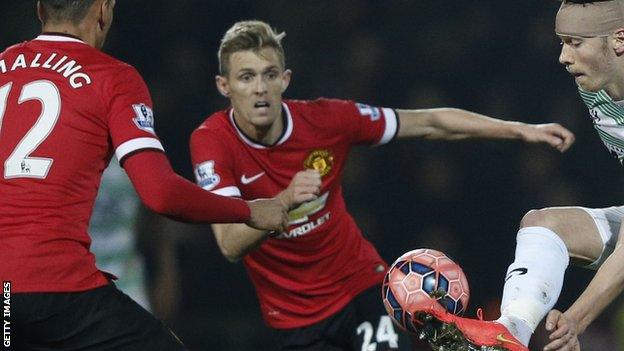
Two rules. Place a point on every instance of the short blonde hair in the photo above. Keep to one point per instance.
(249, 35)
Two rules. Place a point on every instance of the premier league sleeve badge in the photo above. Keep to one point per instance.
(206, 176)
(144, 117)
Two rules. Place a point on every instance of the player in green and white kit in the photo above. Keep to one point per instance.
(113, 234)
(592, 36)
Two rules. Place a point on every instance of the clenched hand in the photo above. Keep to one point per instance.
(305, 186)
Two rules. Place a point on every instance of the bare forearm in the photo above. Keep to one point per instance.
(607, 284)
(452, 124)
(237, 240)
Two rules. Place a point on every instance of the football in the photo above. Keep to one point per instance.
(423, 277)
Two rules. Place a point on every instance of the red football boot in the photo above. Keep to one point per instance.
(447, 332)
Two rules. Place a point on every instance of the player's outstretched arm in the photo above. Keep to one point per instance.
(607, 284)
(455, 124)
(165, 192)
(237, 240)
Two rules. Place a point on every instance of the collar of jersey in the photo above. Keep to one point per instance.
(58, 37)
(593, 99)
(288, 128)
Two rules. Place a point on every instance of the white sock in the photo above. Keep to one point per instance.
(534, 280)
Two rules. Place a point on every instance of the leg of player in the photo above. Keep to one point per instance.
(373, 329)
(362, 325)
(100, 319)
(606, 285)
(329, 334)
(546, 241)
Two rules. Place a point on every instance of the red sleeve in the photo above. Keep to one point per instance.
(213, 163)
(167, 193)
(363, 123)
(130, 116)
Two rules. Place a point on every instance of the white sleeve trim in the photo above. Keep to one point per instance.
(137, 144)
(229, 191)
(391, 126)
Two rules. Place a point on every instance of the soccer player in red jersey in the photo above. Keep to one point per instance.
(65, 109)
(318, 282)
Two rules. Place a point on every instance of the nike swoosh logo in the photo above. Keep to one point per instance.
(246, 180)
(521, 271)
(501, 337)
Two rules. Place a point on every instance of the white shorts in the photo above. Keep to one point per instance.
(608, 221)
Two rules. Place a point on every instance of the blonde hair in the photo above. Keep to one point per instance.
(249, 35)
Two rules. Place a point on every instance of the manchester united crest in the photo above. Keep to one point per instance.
(320, 160)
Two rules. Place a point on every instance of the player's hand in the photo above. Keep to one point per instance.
(552, 134)
(563, 332)
(268, 214)
(305, 186)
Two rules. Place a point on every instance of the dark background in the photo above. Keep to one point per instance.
(464, 198)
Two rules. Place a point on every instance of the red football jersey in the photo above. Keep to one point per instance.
(315, 268)
(65, 108)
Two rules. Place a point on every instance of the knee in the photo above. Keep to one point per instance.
(540, 218)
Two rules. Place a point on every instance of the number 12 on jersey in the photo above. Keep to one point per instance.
(19, 164)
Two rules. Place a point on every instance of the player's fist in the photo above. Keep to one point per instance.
(552, 134)
(305, 186)
(268, 214)
(563, 332)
